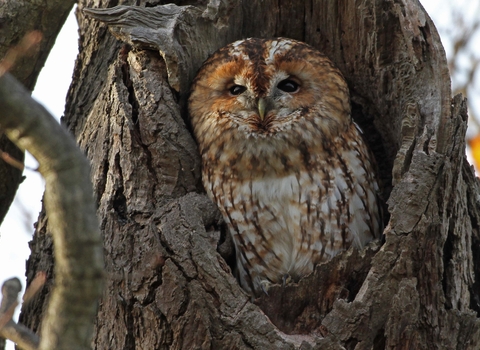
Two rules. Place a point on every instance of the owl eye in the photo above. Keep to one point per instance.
(236, 90)
(288, 85)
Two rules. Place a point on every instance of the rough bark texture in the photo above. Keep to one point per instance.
(167, 285)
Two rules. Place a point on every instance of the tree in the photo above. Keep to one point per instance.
(167, 286)
(17, 21)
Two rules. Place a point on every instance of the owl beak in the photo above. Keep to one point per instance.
(262, 105)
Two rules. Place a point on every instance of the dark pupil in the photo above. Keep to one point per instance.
(237, 89)
(288, 85)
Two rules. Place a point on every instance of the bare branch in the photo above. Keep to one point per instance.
(17, 333)
(29, 42)
(35, 286)
(7, 158)
(17, 20)
(68, 323)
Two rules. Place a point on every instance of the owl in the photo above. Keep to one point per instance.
(282, 158)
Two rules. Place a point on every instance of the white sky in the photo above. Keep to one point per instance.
(51, 89)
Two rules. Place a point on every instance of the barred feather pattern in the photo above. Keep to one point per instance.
(282, 158)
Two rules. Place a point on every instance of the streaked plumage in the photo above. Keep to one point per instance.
(282, 158)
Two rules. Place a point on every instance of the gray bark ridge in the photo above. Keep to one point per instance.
(170, 29)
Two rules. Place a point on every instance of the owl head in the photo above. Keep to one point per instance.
(267, 88)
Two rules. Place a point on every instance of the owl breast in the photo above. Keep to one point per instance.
(282, 158)
(287, 215)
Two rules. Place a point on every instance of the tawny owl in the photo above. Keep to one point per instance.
(282, 158)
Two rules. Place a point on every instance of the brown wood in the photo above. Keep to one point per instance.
(168, 287)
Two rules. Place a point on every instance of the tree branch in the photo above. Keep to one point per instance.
(68, 323)
(46, 17)
(17, 333)
(18, 19)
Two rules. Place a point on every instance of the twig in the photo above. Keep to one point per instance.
(7, 158)
(17, 333)
(35, 286)
(28, 43)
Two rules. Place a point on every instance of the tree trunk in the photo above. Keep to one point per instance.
(167, 285)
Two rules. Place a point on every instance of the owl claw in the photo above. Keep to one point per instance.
(286, 279)
(265, 286)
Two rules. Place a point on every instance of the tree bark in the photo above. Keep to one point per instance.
(167, 285)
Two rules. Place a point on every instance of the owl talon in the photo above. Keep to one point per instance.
(265, 286)
(286, 279)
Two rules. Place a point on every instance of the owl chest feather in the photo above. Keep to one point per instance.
(289, 215)
(279, 208)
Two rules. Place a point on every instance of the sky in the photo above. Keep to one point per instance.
(51, 89)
